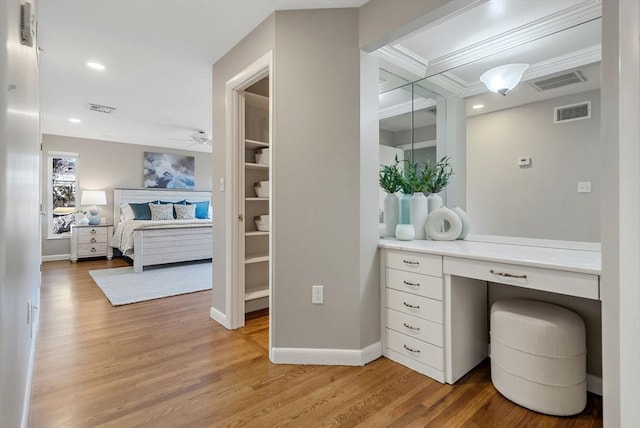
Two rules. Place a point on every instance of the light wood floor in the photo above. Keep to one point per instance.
(166, 363)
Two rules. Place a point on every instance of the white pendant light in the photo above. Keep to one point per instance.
(504, 78)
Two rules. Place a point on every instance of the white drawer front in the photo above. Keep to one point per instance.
(427, 264)
(92, 231)
(423, 285)
(418, 306)
(556, 281)
(419, 328)
(416, 349)
(92, 250)
(91, 239)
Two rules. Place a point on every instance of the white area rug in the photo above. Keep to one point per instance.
(122, 286)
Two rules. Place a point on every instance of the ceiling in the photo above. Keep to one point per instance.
(553, 36)
(158, 57)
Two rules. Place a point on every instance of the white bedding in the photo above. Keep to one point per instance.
(123, 236)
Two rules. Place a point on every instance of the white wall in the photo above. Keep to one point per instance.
(107, 165)
(19, 218)
(540, 201)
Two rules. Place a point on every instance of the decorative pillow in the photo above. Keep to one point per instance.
(161, 211)
(210, 213)
(126, 213)
(185, 212)
(202, 209)
(142, 211)
(63, 223)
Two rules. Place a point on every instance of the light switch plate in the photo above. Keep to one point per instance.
(584, 187)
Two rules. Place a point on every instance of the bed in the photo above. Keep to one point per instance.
(157, 242)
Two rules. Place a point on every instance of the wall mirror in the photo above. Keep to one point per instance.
(527, 164)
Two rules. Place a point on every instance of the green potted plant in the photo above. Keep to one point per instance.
(390, 180)
(418, 176)
(440, 177)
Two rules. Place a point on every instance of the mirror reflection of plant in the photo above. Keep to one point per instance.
(418, 175)
(441, 175)
(390, 178)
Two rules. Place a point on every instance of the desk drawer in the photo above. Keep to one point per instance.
(92, 231)
(415, 349)
(419, 328)
(423, 285)
(426, 264)
(418, 306)
(92, 250)
(555, 281)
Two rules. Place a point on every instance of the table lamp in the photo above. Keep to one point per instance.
(94, 198)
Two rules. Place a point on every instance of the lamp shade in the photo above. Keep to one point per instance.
(94, 197)
(504, 78)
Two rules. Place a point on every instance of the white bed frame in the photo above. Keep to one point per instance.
(161, 246)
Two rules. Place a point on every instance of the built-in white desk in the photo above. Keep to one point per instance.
(434, 296)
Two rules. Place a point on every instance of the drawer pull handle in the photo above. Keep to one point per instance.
(409, 305)
(507, 275)
(413, 284)
(409, 262)
(93, 231)
(93, 249)
(93, 239)
(410, 327)
(417, 351)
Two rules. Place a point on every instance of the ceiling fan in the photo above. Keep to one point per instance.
(199, 137)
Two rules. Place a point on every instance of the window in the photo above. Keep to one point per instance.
(63, 184)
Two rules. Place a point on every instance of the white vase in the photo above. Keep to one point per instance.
(435, 201)
(84, 220)
(465, 221)
(418, 208)
(391, 213)
(405, 232)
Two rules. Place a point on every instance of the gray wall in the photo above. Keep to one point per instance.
(108, 165)
(255, 45)
(540, 201)
(19, 218)
(317, 215)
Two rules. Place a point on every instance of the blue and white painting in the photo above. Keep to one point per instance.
(167, 171)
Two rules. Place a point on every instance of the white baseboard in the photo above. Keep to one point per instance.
(56, 257)
(26, 403)
(256, 305)
(327, 357)
(219, 317)
(594, 384)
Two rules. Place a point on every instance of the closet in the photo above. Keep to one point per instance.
(256, 190)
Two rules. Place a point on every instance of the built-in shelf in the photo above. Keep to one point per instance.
(256, 259)
(256, 294)
(249, 165)
(257, 100)
(253, 144)
(256, 233)
(255, 199)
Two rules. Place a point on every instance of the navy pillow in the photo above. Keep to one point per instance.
(202, 209)
(142, 211)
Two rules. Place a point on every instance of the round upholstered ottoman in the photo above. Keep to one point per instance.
(538, 356)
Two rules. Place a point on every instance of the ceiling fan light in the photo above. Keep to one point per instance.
(504, 78)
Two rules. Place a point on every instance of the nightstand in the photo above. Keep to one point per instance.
(91, 241)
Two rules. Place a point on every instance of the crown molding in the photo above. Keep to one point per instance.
(410, 62)
(406, 107)
(546, 26)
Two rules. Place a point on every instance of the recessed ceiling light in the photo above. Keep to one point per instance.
(477, 106)
(95, 66)
(74, 120)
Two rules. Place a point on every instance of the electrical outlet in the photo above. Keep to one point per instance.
(317, 294)
(584, 187)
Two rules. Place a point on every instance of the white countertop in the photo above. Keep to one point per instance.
(550, 258)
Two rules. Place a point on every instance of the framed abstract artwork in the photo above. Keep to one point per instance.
(168, 171)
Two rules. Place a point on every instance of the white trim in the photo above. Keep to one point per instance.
(234, 96)
(566, 18)
(26, 402)
(327, 357)
(219, 317)
(594, 384)
(56, 257)
(418, 145)
(407, 107)
(404, 58)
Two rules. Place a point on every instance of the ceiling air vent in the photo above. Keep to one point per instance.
(572, 112)
(101, 109)
(558, 81)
